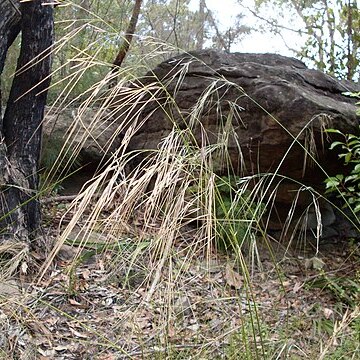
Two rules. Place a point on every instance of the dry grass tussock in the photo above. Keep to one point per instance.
(135, 269)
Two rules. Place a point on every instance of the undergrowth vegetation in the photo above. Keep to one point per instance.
(237, 216)
(179, 214)
(57, 163)
(347, 185)
(151, 227)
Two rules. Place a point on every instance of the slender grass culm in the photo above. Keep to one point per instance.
(167, 249)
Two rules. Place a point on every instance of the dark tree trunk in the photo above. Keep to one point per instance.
(9, 29)
(125, 46)
(21, 125)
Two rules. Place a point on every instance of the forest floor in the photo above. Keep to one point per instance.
(296, 306)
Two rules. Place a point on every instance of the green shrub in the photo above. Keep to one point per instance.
(345, 289)
(57, 154)
(57, 162)
(236, 214)
(347, 187)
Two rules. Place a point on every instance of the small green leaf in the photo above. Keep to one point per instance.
(334, 131)
(335, 143)
(352, 178)
(333, 182)
(348, 157)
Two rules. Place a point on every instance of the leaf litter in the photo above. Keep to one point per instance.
(91, 311)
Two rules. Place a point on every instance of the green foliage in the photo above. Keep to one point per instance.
(236, 213)
(9, 69)
(349, 347)
(57, 162)
(347, 186)
(345, 289)
(347, 344)
(249, 341)
(330, 29)
(88, 35)
(55, 151)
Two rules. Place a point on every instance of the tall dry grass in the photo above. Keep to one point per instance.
(156, 210)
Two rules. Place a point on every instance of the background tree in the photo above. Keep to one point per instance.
(85, 31)
(20, 128)
(331, 27)
(89, 30)
(200, 36)
(128, 37)
(176, 22)
(224, 40)
(171, 22)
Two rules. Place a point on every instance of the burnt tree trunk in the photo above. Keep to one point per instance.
(20, 128)
(9, 29)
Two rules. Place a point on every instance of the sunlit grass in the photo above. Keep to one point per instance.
(163, 215)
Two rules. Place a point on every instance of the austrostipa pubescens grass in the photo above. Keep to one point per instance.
(168, 243)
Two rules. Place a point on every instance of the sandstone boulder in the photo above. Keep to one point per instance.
(275, 106)
(91, 132)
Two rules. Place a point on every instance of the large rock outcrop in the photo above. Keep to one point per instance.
(274, 105)
(89, 132)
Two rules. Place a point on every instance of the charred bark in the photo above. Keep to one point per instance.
(21, 125)
(9, 30)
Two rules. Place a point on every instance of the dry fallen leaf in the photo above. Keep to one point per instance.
(233, 278)
(74, 302)
(86, 274)
(24, 267)
(328, 313)
(9, 288)
(107, 357)
(62, 347)
(314, 263)
(78, 334)
(193, 327)
(298, 285)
